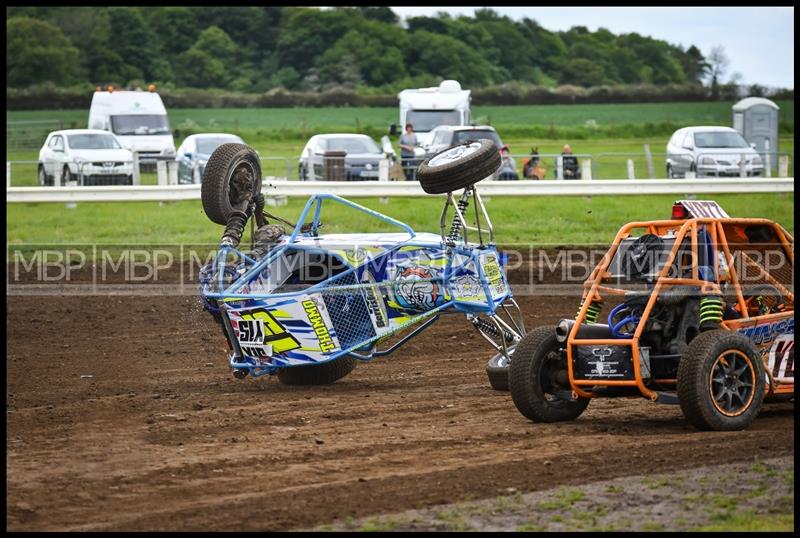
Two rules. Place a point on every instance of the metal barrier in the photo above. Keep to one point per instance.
(702, 165)
(281, 187)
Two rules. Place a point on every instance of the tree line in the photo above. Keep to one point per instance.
(368, 49)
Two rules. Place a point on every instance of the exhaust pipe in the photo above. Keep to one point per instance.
(562, 330)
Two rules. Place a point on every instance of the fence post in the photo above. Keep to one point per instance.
(8, 174)
(161, 172)
(651, 171)
(137, 177)
(742, 169)
(767, 161)
(559, 167)
(586, 164)
(631, 175)
(71, 205)
(783, 166)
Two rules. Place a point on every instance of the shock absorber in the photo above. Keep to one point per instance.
(486, 327)
(455, 226)
(234, 229)
(711, 309)
(592, 312)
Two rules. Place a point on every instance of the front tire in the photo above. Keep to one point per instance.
(217, 192)
(459, 167)
(43, 179)
(497, 371)
(538, 358)
(66, 176)
(317, 374)
(721, 381)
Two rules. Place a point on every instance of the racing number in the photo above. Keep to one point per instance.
(274, 333)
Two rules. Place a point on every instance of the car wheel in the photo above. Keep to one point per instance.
(66, 176)
(721, 381)
(459, 167)
(670, 173)
(317, 374)
(497, 370)
(537, 364)
(43, 176)
(229, 162)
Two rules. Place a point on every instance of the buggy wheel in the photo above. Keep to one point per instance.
(317, 374)
(537, 362)
(497, 370)
(229, 163)
(459, 166)
(721, 381)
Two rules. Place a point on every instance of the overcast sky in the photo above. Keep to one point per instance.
(759, 41)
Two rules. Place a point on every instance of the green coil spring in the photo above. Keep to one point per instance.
(711, 308)
(592, 312)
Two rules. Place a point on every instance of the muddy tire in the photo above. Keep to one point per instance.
(459, 166)
(497, 371)
(217, 192)
(536, 358)
(721, 381)
(317, 374)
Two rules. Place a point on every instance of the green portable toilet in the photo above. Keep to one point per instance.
(756, 119)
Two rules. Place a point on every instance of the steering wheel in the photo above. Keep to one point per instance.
(763, 299)
(640, 257)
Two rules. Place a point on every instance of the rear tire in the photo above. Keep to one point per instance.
(216, 190)
(43, 179)
(536, 358)
(721, 381)
(459, 167)
(317, 374)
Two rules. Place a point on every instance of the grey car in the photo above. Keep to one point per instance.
(195, 151)
(711, 151)
(355, 157)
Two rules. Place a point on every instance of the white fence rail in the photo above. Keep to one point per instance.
(282, 187)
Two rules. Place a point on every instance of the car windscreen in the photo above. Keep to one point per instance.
(463, 136)
(719, 139)
(208, 145)
(351, 145)
(425, 120)
(93, 141)
(140, 124)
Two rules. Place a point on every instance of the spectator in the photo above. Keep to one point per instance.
(569, 163)
(532, 168)
(508, 168)
(408, 141)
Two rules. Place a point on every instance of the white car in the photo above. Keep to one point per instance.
(711, 151)
(88, 156)
(361, 157)
(195, 151)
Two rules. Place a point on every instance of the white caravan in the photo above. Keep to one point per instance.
(137, 118)
(427, 108)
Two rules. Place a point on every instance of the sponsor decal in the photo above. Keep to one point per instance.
(375, 305)
(780, 360)
(410, 293)
(467, 287)
(326, 343)
(260, 334)
(765, 333)
(493, 273)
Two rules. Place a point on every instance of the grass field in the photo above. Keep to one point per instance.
(526, 220)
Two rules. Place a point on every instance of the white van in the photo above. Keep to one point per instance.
(138, 119)
(427, 108)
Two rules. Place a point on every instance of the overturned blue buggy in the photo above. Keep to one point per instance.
(308, 307)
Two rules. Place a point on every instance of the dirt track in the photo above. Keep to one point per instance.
(161, 436)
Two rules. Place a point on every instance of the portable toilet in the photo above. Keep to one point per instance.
(756, 119)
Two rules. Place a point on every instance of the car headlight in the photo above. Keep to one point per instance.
(169, 151)
(707, 160)
(757, 161)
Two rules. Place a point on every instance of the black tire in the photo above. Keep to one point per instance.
(66, 176)
(529, 379)
(703, 370)
(497, 371)
(449, 171)
(670, 174)
(129, 180)
(43, 179)
(317, 374)
(216, 190)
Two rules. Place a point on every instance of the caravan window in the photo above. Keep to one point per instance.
(425, 120)
(140, 124)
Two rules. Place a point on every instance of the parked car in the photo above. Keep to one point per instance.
(89, 156)
(445, 136)
(194, 152)
(711, 151)
(361, 157)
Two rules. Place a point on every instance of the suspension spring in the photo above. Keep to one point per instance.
(711, 308)
(592, 312)
(490, 328)
(455, 226)
(234, 229)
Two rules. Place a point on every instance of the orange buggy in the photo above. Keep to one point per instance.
(700, 313)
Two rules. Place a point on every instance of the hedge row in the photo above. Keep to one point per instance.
(51, 97)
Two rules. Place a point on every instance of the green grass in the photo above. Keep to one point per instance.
(563, 499)
(748, 521)
(564, 220)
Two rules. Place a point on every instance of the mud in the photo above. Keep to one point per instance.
(122, 414)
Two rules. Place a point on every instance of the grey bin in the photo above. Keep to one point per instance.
(334, 164)
(756, 119)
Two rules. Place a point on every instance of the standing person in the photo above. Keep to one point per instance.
(569, 164)
(408, 141)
